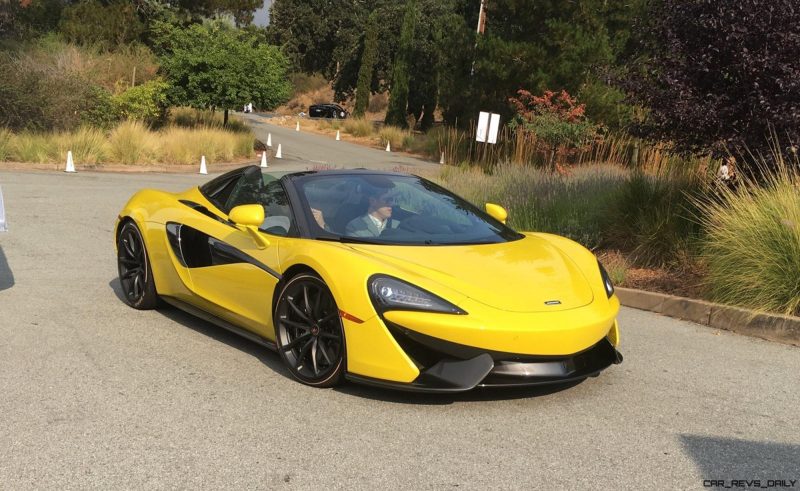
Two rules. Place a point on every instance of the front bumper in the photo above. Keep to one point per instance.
(449, 367)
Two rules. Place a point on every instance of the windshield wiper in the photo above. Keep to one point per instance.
(351, 240)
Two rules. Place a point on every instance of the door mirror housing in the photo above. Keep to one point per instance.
(497, 212)
(249, 218)
(247, 215)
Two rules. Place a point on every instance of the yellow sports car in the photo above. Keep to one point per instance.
(380, 278)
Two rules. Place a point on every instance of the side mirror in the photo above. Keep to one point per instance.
(249, 218)
(497, 212)
(247, 215)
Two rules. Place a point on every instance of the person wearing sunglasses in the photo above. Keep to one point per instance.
(378, 216)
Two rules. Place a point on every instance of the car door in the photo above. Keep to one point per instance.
(232, 275)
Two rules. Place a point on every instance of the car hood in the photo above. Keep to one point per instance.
(526, 275)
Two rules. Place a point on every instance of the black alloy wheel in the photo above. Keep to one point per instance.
(135, 274)
(309, 333)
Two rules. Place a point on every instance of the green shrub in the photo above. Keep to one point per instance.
(101, 111)
(146, 102)
(752, 242)
(537, 200)
(359, 127)
(651, 217)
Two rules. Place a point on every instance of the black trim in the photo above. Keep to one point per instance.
(224, 253)
(174, 236)
(445, 376)
(205, 211)
(509, 369)
(206, 316)
(196, 249)
(431, 347)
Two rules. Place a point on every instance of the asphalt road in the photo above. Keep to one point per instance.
(94, 394)
(303, 150)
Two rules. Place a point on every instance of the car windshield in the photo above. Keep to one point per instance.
(393, 209)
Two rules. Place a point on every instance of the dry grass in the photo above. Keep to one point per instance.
(359, 127)
(129, 143)
(397, 137)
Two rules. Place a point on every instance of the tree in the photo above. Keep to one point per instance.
(719, 73)
(318, 35)
(367, 65)
(398, 98)
(542, 45)
(216, 66)
(91, 22)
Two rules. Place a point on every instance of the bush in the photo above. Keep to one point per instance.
(49, 85)
(378, 102)
(88, 145)
(5, 144)
(36, 97)
(182, 146)
(91, 22)
(395, 136)
(359, 127)
(651, 218)
(101, 111)
(574, 206)
(303, 83)
(146, 102)
(187, 117)
(132, 143)
(752, 242)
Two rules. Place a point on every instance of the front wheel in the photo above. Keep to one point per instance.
(135, 273)
(309, 333)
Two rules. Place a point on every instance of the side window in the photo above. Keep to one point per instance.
(277, 213)
(221, 195)
(247, 191)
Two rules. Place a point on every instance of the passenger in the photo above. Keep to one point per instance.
(378, 217)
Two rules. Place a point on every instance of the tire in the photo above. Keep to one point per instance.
(135, 273)
(308, 331)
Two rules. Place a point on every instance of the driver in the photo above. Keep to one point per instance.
(378, 217)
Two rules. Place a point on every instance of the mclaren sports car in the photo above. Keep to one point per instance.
(376, 277)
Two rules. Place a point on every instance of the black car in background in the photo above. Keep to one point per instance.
(334, 111)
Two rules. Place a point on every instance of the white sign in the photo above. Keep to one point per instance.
(483, 127)
(494, 127)
(488, 126)
(3, 227)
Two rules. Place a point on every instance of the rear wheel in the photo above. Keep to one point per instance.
(135, 273)
(309, 333)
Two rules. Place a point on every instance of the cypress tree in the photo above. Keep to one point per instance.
(398, 97)
(367, 65)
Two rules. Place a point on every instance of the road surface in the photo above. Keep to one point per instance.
(94, 394)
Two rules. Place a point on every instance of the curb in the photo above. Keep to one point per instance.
(772, 327)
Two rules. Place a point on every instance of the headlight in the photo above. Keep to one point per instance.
(392, 294)
(606, 280)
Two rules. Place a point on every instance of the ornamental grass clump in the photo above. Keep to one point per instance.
(132, 143)
(574, 205)
(359, 127)
(752, 240)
